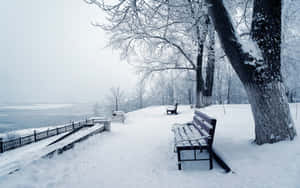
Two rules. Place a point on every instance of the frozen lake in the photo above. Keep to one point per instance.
(15, 117)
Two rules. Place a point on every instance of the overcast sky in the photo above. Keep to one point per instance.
(50, 52)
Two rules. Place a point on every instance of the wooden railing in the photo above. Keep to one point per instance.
(38, 136)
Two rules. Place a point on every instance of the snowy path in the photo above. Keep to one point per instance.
(140, 154)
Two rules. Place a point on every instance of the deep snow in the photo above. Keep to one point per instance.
(140, 153)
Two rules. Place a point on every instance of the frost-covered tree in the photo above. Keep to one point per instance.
(257, 63)
(162, 35)
(290, 47)
(116, 97)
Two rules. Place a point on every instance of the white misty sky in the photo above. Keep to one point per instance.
(50, 52)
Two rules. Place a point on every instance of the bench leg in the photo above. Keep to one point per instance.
(210, 159)
(179, 166)
(179, 159)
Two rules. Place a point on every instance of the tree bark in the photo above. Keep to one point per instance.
(210, 69)
(271, 112)
(199, 78)
(201, 35)
(261, 78)
(266, 32)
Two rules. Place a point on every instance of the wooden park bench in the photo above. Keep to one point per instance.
(197, 135)
(172, 109)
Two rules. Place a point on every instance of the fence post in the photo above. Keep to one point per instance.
(20, 141)
(1, 145)
(73, 126)
(34, 134)
(57, 131)
(47, 132)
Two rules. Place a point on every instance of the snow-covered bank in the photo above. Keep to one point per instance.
(140, 153)
(20, 157)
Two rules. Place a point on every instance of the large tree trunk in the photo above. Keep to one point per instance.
(261, 77)
(199, 78)
(201, 29)
(201, 35)
(210, 69)
(271, 112)
(266, 31)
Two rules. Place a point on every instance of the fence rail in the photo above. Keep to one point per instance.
(38, 136)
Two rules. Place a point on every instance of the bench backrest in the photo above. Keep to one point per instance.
(206, 125)
(176, 106)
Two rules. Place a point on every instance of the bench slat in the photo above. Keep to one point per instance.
(179, 138)
(196, 133)
(200, 142)
(185, 140)
(189, 136)
(210, 120)
(198, 122)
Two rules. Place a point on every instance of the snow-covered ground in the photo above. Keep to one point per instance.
(140, 153)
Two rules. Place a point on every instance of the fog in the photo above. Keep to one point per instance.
(50, 52)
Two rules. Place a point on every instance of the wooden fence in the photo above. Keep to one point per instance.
(37, 136)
